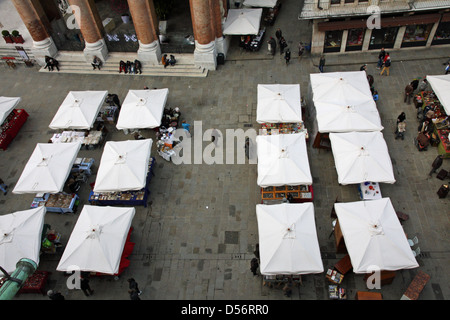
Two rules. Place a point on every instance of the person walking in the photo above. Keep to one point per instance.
(134, 286)
(283, 44)
(447, 68)
(287, 56)
(3, 187)
(254, 266)
(279, 35)
(409, 89)
(256, 252)
(301, 49)
(134, 295)
(321, 63)
(386, 64)
(437, 163)
(381, 56)
(85, 287)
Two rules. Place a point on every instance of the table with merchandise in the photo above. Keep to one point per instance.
(11, 126)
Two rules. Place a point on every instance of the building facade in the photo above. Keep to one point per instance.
(363, 25)
(97, 27)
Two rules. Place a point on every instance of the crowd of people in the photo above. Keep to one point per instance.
(130, 67)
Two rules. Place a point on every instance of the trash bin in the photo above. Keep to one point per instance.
(220, 58)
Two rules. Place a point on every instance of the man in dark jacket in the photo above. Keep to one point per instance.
(381, 56)
(408, 93)
(437, 163)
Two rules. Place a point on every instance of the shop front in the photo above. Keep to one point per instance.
(416, 35)
(383, 38)
(355, 39)
(442, 35)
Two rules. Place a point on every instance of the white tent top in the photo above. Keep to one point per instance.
(344, 102)
(283, 160)
(361, 157)
(441, 86)
(260, 3)
(20, 237)
(48, 168)
(97, 240)
(242, 22)
(288, 241)
(7, 104)
(79, 110)
(123, 166)
(374, 236)
(279, 103)
(142, 109)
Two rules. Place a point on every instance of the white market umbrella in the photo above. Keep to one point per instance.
(374, 236)
(79, 110)
(97, 240)
(288, 241)
(20, 237)
(344, 102)
(7, 104)
(278, 103)
(283, 160)
(123, 166)
(48, 168)
(260, 3)
(242, 22)
(142, 109)
(441, 87)
(360, 157)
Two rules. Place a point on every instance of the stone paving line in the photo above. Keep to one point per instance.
(196, 239)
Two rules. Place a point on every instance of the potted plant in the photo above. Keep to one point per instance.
(7, 36)
(17, 37)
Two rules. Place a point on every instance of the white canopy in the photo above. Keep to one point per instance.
(441, 86)
(283, 160)
(344, 102)
(361, 157)
(123, 166)
(48, 168)
(288, 241)
(97, 240)
(260, 3)
(7, 104)
(279, 103)
(374, 236)
(20, 237)
(79, 110)
(242, 21)
(142, 109)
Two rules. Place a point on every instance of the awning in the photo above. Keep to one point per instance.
(242, 22)
(278, 103)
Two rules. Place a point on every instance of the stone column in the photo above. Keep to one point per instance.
(221, 45)
(399, 38)
(145, 24)
(205, 45)
(36, 22)
(91, 28)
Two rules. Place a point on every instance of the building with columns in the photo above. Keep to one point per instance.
(98, 27)
(363, 25)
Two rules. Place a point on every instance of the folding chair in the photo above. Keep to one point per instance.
(416, 252)
(412, 242)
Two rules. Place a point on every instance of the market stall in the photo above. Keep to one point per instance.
(60, 202)
(142, 109)
(372, 235)
(278, 103)
(246, 24)
(288, 241)
(283, 167)
(79, 110)
(11, 120)
(48, 168)
(361, 157)
(90, 139)
(98, 240)
(20, 237)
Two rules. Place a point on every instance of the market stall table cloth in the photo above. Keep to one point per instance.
(361, 157)
(288, 241)
(279, 103)
(48, 168)
(374, 236)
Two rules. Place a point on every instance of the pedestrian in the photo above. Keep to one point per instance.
(287, 56)
(172, 60)
(3, 187)
(437, 163)
(85, 287)
(447, 68)
(400, 132)
(55, 295)
(283, 44)
(134, 295)
(321, 63)
(134, 286)
(408, 93)
(256, 252)
(381, 56)
(164, 60)
(363, 67)
(278, 34)
(423, 85)
(375, 96)
(414, 84)
(287, 289)
(386, 64)
(301, 49)
(401, 117)
(254, 266)
(48, 63)
(272, 46)
(54, 63)
(122, 66)
(186, 126)
(96, 63)
(138, 66)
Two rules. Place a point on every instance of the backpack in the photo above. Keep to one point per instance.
(387, 63)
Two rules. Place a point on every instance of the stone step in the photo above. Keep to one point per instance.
(12, 52)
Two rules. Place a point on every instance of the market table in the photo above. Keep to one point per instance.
(369, 191)
(299, 194)
(36, 283)
(56, 202)
(11, 126)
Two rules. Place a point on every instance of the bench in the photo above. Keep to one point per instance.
(344, 265)
(416, 286)
(365, 295)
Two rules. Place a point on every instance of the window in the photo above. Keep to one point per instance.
(349, 1)
(416, 35)
(332, 41)
(442, 35)
(354, 40)
(383, 38)
(335, 1)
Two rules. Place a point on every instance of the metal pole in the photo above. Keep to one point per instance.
(24, 268)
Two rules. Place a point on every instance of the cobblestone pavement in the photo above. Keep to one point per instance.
(196, 238)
